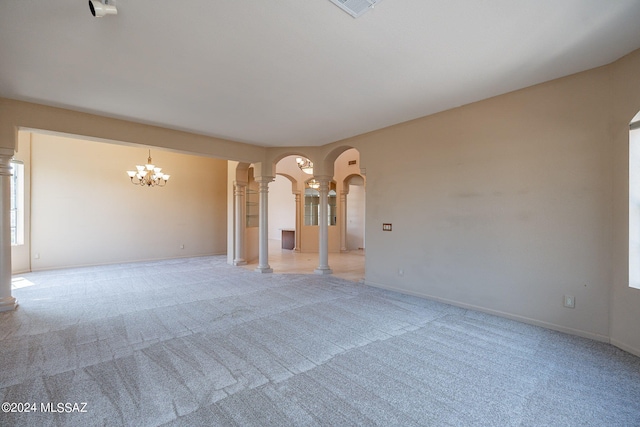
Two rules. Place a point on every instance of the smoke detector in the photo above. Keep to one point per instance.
(355, 8)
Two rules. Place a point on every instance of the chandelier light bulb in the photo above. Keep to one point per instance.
(305, 165)
(148, 175)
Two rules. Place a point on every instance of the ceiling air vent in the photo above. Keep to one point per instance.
(355, 8)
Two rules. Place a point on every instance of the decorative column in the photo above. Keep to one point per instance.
(343, 221)
(323, 222)
(7, 302)
(239, 189)
(298, 221)
(263, 224)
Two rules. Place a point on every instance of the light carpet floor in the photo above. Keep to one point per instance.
(196, 342)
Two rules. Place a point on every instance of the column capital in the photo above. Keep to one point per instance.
(7, 152)
(240, 183)
(264, 179)
(323, 178)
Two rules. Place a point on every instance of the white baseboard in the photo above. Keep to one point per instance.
(627, 348)
(64, 267)
(523, 319)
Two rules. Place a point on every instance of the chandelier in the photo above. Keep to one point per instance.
(313, 184)
(148, 175)
(305, 165)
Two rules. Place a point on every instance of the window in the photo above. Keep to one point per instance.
(17, 203)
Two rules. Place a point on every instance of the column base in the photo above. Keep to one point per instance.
(8, 304)
(239, 262)
(323, 270)
(264, 270)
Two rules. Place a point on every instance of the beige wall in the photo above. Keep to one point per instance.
(355, 217)
(625, 301)
(282, 207)
(85, 211)
(503, 205)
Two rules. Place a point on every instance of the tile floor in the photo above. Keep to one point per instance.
(348, 266)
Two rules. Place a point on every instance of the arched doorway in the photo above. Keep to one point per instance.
(289, 194)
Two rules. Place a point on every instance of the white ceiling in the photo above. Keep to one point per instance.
(298, 72)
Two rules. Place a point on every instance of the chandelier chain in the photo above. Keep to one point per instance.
(148, 175)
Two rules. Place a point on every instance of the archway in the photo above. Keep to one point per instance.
(287, 190)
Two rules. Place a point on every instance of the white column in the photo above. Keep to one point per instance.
(240, 223)
(343, 221)
(7, 302)
(298, 221)
(323, 223)
(263, 225)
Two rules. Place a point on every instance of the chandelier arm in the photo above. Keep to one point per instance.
(305, 165)
(151, 177)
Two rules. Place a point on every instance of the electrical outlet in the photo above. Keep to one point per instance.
(569, 301)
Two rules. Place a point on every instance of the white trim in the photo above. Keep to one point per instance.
(628, 349)
(123, 262)
(523, 319)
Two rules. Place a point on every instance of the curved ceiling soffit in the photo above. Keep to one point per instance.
(242, 170)
(335, 152)
(290, 152)
(298, 151)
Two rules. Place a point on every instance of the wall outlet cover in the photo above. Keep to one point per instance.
(569, 301)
